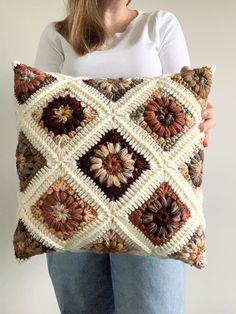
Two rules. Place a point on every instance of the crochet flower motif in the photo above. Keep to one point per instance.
(109, 242)
(113, 85)
(164, 213)
(161, 216)
(192, 171)
(194, 253)
(62, 211)
(112, 164)
(165, 143)
(113, 89)
(28, 161)
(28, 80)
(25, 245)
(199, 80)
(62, 115)
(195, 168)
(164, 116)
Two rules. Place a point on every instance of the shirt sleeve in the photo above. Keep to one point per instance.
(172, 47)
(49, 55)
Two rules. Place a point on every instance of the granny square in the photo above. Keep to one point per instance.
(110, 164)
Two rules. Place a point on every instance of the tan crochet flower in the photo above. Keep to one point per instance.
(113, 85)
(199, 80)
(194, 252)
(112, 164)
(112, 88)
(109, 242)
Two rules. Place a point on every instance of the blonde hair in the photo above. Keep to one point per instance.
(83, 26)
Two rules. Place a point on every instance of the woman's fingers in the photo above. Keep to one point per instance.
(209, 112)
(209, 116)
(209, 124)
(185, 68)
(207, 139)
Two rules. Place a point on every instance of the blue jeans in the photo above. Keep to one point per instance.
(99, 283)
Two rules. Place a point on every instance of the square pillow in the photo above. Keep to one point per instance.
(110, 164)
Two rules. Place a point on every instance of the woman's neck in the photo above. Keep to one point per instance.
(116, 15)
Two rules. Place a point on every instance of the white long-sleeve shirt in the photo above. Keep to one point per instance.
(152, 44)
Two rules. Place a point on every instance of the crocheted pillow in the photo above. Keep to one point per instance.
(110, 164)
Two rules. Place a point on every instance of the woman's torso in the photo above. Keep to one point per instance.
(130, 53)
(134, 52)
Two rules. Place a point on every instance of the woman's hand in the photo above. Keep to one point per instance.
(209, 117)
(209, 122)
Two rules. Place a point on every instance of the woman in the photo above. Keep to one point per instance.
(106, 39)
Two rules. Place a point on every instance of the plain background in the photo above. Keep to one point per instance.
(210, 30)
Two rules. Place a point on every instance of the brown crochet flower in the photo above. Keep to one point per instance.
(161, 216)
(113, 89)
(62, 115)
(27, 79)
(25, 245)
(164, 116)
(195, 168)
(194, 253)
(28, 161)
(62, 211)
(112, 164)
(24, 161)
(199, 80)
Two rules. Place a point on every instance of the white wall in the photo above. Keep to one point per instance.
(210, 31)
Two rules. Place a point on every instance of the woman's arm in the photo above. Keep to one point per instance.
(172, 48)
(49, 56)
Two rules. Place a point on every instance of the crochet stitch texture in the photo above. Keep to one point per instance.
(110, 164)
